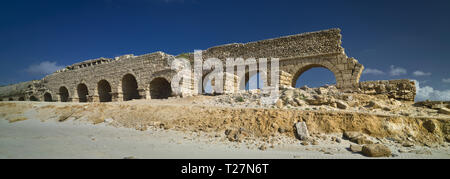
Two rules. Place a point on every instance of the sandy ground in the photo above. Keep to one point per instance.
(79, 139)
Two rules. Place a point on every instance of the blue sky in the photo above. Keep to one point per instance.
(393, 40)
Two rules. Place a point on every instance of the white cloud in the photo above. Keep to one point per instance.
(428, 93)
(421, 73)
(446, 80)
(370, 71)
(397, 71)
(44, 68)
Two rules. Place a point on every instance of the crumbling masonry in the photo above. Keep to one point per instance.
(149, 76)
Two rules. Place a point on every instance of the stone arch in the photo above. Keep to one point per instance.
(104, 91)
(130, 87)
(33, 98)
(21, 99)
(205, 81)
(160, 88)
(83, 93)
(249, 74)
(48, 97)
(307, 67)
(63, 94)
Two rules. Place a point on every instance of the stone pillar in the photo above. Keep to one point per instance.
(285, 79)
(74, 99)
(117, 97)
(142, 93)
(95, 98)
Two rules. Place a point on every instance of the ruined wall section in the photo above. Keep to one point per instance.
(298, 53)
(144, 68)
(22, 91)
(404, 90)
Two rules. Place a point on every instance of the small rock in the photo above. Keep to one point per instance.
(408, 144)
(361, 140)
(355, 148)
(302, 130)
(109, 120)
(444, 111)
(279, 104)
(262, 147)
(429, 125)
(333, 139)
(374, 105)
(281, 130)
(338, 140)
(305, 143)
(341, 104)
(351, 135)
(376, 150)
(315, 142)
(402, 151)
(275, 125)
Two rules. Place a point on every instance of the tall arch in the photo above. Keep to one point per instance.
(63, 94)
(83, 92)
(305, 68)
(129, 87)
(160, 88)
(48, 97)
(21, 99)
(104, 91)
(10, 99)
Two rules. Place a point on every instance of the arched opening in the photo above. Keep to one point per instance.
(207, 86)
(33, 98)
(83, 93)
(64, 94)
(104, 91)
(160, 89)
(313, 76)
(21, 99)
(129, 88)
(48, 97)
(10, 99)
(254, 81)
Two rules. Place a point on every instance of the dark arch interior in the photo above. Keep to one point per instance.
(48, 97)
(33, 98)
(160, 89)
(64, 94)
(313, 76)
(83, 92)
(129, 88)
(21, 99)
(104, 91)
(10, 99)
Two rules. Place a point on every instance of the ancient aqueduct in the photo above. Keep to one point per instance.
(149, 76)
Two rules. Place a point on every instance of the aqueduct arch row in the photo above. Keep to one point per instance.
(148, 76)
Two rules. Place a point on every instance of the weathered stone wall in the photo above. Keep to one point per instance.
(297, 54)
(404, 90)
(22, 91)
(144, 68)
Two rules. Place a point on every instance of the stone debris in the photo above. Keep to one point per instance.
(376, 150)
(355, 148)
(302, 130)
